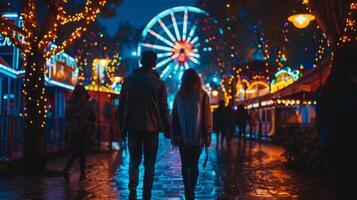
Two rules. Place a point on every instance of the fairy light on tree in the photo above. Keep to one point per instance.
(34, 39)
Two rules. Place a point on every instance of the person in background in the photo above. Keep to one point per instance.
(242, 119)
(143, 113)
(218, 122)
(229, 124)
(80, 118)
(191, 127)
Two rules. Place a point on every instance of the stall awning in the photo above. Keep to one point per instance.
(7, 71)
(309, 83)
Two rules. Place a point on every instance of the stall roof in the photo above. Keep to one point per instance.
(305, 86)
(7, 71)
(309, 82)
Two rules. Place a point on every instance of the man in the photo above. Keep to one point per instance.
(143, 113)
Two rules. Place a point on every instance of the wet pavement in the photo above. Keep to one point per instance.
(249, 170)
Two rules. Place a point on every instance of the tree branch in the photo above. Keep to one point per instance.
(89, 16)
(11, 31)
(28, 12)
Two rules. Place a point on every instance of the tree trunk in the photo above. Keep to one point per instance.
(34, 155)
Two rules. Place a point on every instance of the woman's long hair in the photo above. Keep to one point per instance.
(79, 94)
(191, 83)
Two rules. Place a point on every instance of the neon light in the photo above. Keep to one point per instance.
(165, 71)
(10, 72)
(194, 55)
(190, 35)
(162, 24)
(53, 82)
(186, 65)
(161, 55)
(177, 32)
(160, 64)
(184, 31)
(159, 47)
(180, 38)
(194, 60)
(194, 40)
(258, 83)
(161, 38)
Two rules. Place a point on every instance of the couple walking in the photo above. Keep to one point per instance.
(143, 113)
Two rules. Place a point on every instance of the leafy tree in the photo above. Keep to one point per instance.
(42, 24)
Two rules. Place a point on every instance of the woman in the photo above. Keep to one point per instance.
(192, 127)
(80, 118)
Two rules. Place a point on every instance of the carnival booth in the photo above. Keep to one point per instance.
(291, 101)
(104, 90)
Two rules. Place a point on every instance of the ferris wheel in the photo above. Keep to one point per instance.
(172, 34)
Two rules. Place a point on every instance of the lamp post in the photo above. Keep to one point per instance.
(302, 20)
(99, 64)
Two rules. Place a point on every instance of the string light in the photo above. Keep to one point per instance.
(35, 49)
(349, 31)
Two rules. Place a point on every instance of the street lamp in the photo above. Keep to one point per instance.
(302, 20)
(99, 64)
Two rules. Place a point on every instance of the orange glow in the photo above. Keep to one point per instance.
(301, 20)
(183, 50)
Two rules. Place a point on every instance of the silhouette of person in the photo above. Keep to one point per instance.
(242, 119)
(143, 113)
(192, 127)
(80, 118)
(229, 124)
(218, 121)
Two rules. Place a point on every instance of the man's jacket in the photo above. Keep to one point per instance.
(143, 103)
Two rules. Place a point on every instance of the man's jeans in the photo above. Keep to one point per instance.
(139, 141)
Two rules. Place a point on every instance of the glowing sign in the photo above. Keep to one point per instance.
(283, 78)
(8, 51)
(5, 42)
(62, 69)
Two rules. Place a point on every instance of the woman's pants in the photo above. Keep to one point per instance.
(77, 150)
(189, 164)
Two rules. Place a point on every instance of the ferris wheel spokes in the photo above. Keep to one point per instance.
(167, 31)
(184, 31)
(158, 47)
(163, 62)
(177, 48)
(162, 55)
(190, 35)
(153, 33)
(177, 32)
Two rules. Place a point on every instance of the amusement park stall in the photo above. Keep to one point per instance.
(291, 104)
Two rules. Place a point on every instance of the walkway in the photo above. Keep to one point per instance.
(248, 170)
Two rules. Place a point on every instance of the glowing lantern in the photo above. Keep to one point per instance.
(215, 93)
(301, 21)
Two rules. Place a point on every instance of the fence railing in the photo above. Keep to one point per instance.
(12, 136)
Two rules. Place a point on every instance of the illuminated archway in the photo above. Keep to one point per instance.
(283, 78)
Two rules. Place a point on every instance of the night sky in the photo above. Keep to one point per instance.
(140, 12)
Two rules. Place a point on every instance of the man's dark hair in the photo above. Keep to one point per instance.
(148, 59)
